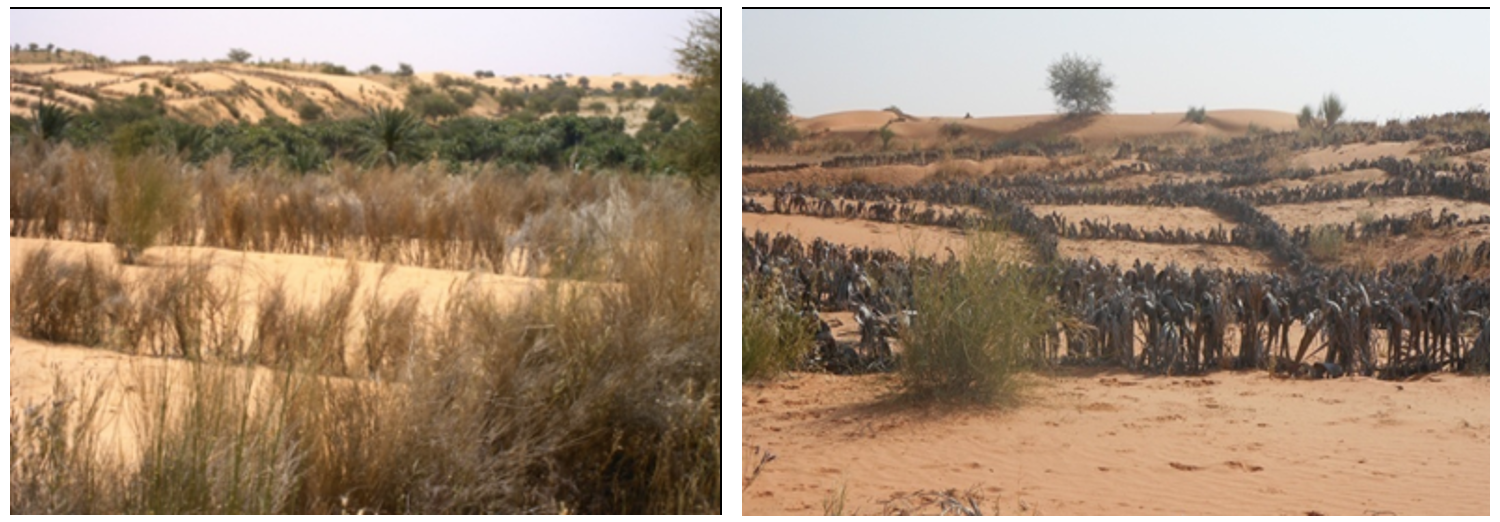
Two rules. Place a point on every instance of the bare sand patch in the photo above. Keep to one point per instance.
(1106, 443)
(1345, 211)
(38, 68)
(859, 126)
(135, 70)
(899, 238)
(83, 78)
(1333, 156)
(1192, 219)
(1338, 178)
(1125, 253)
(133, 87)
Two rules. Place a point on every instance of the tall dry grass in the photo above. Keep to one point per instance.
(486, 218)
(586, 397)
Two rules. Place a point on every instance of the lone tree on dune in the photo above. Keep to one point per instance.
(1079, 86)
(239, 55)
(766, 117)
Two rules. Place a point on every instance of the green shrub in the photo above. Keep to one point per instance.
(1196, 115)
(974, 327)
(1325, 244)
(775, 336)
(1079, 86)
(1331, 110)
(1306, 118)
(310, 111)
(147, 200)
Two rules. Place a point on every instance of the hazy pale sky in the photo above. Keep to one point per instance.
(504, 41)
(1382, 64)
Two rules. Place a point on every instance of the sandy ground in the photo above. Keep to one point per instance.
(83, 77)
(36, 365)
(1347, 211)
(37, 68)
(133, 87)
(1338, 178)
(1332, 156)
(1192, 219)
(534, 81)
(1154, 178)
(1413, 247)
(1125, 253)
(901, 238)
(859, 126)
(1120, 444)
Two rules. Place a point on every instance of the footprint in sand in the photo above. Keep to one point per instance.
(1243, 467)
(1184, 467)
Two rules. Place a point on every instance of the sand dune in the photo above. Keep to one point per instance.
(1120, 444)
(860, 126)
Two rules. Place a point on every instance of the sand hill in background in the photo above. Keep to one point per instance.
(209, 92)
(861, 127)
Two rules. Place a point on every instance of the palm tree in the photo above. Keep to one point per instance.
(50, 120)
(391, 136)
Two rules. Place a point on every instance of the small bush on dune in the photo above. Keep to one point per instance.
(974, 325)
(1325, 244)
(1196, 115)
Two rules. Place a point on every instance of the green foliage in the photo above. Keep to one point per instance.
(775, 336)
(1325, 244)
(146, 200)
(329, 68)
(50, 121)
(1306, 118)
(372, 69)
(662, 116)
(886, 135)
(598, 108)
(404, 69)
(974, 326)
(1331, 110)
(1196, 115)
(391, 136)
(539, 104)
(567, 103)
(143, 59)
(310, 111)
(238, 55)
(767, 117)
(511, 99)
(431, 104)
(1079, 86)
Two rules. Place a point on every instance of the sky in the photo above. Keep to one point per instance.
(593, 42)
(1382, 64)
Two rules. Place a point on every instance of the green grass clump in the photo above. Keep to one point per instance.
(1325, 244)
(974, 327)
(775, 336)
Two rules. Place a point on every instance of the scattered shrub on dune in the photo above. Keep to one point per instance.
(975, 323)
